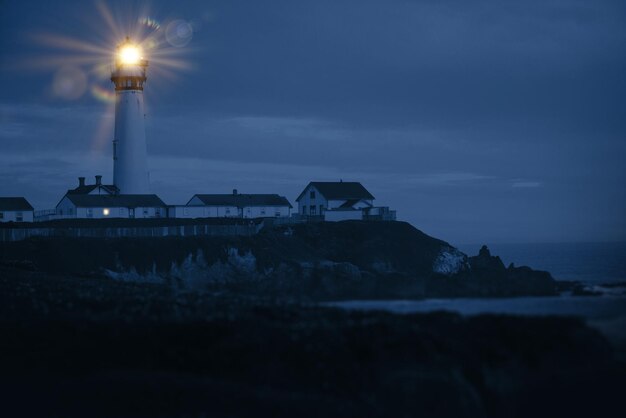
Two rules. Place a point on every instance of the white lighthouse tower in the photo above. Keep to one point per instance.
(130, 165)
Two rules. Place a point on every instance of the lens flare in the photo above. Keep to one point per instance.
(69, 83)
(105, 95)
(149, 22)
(178, 33)
(80, 67)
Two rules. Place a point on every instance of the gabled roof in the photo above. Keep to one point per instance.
(338, 190)
(86, 189)
(349, 203)
(120, 200)
(14, 203)
(241, 200)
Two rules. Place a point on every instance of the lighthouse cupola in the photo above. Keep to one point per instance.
(130, 166)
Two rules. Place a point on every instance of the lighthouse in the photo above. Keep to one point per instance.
(130, 165)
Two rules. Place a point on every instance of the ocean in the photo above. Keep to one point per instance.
(592, 262)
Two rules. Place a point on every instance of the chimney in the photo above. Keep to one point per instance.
(81, 182)
(98, 180)
(235, 192)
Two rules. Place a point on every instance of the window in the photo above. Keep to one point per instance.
(263, 211)
(145, 212)
(304, 209)
(70, 211)
(122, 211)
(277, 214)
(157, 212)
(321, 209)
(312, 194)
(90, 213)
(1, 215)
(19, 216)
(313, 211)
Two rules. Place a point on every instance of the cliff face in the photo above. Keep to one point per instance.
(313, 261)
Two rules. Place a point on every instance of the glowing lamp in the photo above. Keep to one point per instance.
(105, 212)
(129, 54)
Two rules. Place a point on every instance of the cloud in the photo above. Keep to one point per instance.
(526, 184)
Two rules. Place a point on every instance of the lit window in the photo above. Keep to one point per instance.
(106, 212)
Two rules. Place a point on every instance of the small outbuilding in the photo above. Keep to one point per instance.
(111, 206)
(235, 205)
(15, 209)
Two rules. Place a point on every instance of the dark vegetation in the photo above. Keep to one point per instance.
(95, 347)
(121, 223)
(321, 261)
(217, 335)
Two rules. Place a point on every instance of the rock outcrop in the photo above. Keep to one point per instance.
(339, 260)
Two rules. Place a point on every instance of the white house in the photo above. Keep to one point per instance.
(340, 200)
(233, 205)
(15, 209)
(111, 206)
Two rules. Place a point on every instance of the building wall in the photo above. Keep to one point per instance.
(228, 212)
(343, 215)
(306, 202)
(130, 156)
(13, 215)
(66, 209)
(266, 211)
(203, 212)
(121, 212)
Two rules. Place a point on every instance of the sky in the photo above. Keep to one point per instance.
(485, 121)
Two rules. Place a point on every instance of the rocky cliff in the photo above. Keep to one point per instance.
(318, 261)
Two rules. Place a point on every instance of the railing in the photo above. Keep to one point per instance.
(49, 215)
(19, 234)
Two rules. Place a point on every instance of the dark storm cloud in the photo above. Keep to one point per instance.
(483, 120)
